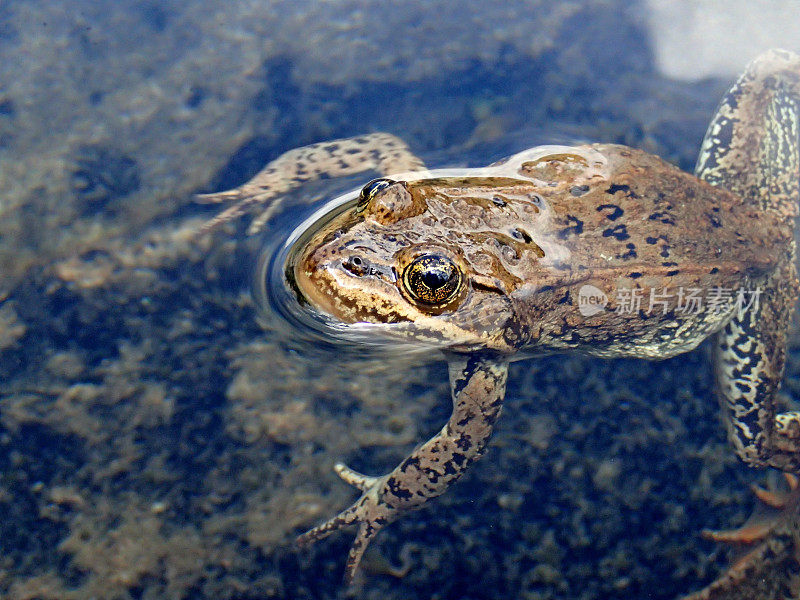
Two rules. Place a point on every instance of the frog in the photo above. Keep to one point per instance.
(600, 249)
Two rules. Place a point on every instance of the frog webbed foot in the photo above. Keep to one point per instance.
(368, 511)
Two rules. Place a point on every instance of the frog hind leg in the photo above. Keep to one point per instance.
(382, 152)
(751, 145)
(477, 386)
(751, 149)
(750, 354)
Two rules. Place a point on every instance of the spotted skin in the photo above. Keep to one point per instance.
(751, 148)
(382, 152)
(477, 384)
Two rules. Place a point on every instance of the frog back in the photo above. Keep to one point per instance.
(638, 240)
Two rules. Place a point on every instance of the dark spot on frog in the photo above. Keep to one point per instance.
(468, 416)
(459, 459)
(669, 264)
(565, 299)
(620, 232)
(464, 442)
(575, 227)
(634, 275)
(613, 213)
(578, 190)
(714, 220)
(631, 253)
(498, 201)
(673, 272)
(626, 189)
(714, 270)
(397, 489)
(665, 248)
(662, 217)
(102, 173)
(409, 462)
(449, 469)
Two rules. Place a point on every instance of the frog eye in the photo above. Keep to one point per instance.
(432, 279)
(372, 189)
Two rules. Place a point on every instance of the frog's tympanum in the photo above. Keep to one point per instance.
(599, 248)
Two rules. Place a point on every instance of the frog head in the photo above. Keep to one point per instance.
(417, 259)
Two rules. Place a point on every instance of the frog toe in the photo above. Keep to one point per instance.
(343, 519)
(263, 217)
(354, 478)
(777, 499)
(366, 532)
(219, 197)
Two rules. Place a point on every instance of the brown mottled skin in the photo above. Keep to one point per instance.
(488, 265)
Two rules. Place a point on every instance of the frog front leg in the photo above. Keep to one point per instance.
(477, 385)
(381, 152)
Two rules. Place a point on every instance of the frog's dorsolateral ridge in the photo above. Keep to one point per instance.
(601, 249)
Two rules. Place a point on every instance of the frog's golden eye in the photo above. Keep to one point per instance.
(432, 279)
(372, 189)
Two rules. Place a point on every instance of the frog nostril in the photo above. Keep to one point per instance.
(356, 265)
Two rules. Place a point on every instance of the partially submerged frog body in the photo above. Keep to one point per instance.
(599, 248)
(768, 567)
